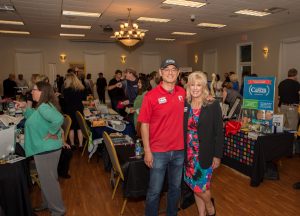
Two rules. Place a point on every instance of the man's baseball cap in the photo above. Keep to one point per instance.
(168, 62)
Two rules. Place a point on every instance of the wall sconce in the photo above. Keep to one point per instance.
(62, 57)
(123, 59)
(266, 52)
(196, 58)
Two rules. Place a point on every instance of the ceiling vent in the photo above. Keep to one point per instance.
(107, 29)
(274, 10)
(7, 7)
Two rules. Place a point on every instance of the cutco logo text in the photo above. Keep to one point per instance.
(259, 90)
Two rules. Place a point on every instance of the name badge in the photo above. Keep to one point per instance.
(162, 100)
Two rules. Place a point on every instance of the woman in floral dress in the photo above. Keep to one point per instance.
(204, 139)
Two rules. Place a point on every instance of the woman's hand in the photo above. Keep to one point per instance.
(216, 162)
(51, 136)
(20, 104)
(148, 159)
(66, 146)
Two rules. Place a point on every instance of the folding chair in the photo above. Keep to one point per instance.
(66, 126)
(115, 165)
(84, 129)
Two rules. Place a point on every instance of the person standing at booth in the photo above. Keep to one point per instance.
(9, 87)
(161, 117)
(203, 139)
(115, 90)
(288, 92)
(101, 87)
(43, 141)
(74, 94)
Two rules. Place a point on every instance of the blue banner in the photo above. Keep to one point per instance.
(258, 103)
(259, 93)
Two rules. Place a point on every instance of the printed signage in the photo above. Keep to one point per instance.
(258, 103)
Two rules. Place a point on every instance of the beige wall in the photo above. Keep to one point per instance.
(51, 50)
(227, 49)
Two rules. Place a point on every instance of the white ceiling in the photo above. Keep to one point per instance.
(42, 18)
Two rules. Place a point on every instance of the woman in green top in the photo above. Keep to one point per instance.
(143, 87)
(43, 140)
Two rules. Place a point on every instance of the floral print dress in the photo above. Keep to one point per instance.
(197, 178)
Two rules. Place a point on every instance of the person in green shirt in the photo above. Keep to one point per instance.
(43, 141)
(143, 87)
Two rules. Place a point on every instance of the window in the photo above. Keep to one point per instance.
(244, 59)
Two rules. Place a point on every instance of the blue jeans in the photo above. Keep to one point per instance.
(173, 161)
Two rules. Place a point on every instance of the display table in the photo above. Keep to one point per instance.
(250, 156)
(136, 173)
(98, 131)
(14, 194)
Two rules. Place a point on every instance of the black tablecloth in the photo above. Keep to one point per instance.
(136, 177)
(136, 173)
(266, 148)
(14, 194)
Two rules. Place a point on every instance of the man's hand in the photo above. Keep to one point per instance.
(148, 159)
(119, 85)
(125, 102)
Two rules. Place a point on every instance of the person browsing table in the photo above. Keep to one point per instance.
(161, 117)
(43, 141)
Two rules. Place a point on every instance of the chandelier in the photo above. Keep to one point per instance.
(129, 33)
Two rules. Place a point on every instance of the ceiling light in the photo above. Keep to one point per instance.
(78, 13)
(252, 13)
(185, 3)
(8, 22)
(211, 25)
(150, 19)
(183, 33)
(14, 32)
(71, 35)
(75, 26)
(164, 39)
(129, 33)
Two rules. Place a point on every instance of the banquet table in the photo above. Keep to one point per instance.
(14, 194)
(250, 156)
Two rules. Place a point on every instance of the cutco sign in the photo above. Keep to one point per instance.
(259, 93)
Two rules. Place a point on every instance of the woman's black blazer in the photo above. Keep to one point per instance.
(210, 132)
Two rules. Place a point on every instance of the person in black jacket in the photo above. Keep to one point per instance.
(203, 129)
(74, 94)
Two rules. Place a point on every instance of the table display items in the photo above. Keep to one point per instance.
(7, 145)
(138, 149)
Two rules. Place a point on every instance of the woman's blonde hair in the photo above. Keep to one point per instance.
(202, 78)
(41, 78)
(73, 82)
